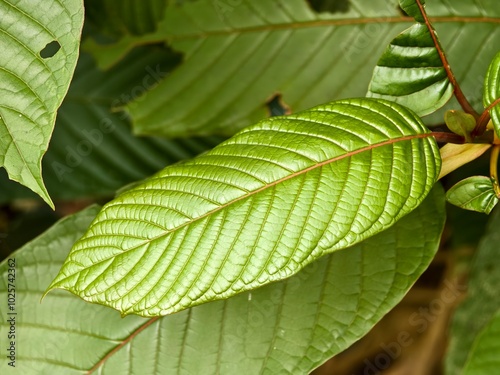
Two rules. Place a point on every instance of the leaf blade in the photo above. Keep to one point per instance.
(265, 191)
(491, 91)
(473, 193)
(33, 83)
(288, 327)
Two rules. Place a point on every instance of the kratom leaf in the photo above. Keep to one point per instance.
(255, 209)
(474, 194)
(410, 72)
(93, 151)
(39, 43)
(491, 93)
(473, 315)
(288, 327)
(483, 358)
(249, 54)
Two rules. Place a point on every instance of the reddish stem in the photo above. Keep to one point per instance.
(466, 106)
(444, 137)
(482, 122)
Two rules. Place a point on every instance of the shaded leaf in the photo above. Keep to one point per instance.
(288, 327)
(93, 151)
(410, 71)
(255, 209)
(491, 93)
(474, 194)
(473, 315)
(483, 358)
(39, 46)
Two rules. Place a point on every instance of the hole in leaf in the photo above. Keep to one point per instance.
(50, 49)
(277, 107)
(330, 6)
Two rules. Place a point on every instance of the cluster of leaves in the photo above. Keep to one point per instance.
(282, 245)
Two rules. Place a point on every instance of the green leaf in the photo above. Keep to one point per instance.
(288, 327)
(460, 123)
(250, 53)
(474, 193)
(483, 358)
(491, 93)
(93, 151)
(255, 209)
(482, 302)
(39, 44)
(410, 71)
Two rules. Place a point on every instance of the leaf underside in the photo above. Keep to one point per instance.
(255, 209)
(33, 81)
(288, 327)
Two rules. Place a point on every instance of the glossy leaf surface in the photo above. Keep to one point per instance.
(474, 194)
(256, 209)
(482, 303)
(39, 41)
(491, 93)
(410, 71)
(288, 327)
(483, 358)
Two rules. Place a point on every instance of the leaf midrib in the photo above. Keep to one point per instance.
(318, 23)
(249, 194)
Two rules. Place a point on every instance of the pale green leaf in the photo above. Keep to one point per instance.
(34, 80)
(93, 151)
(259, 48)
(410, 71)
(474, 193)
(255, 209)
(288, 327)
(483, 300)
(484, 357)
(491, 93)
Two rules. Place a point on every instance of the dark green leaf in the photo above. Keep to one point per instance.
(483, 301)
(484, 358)
(255, 209)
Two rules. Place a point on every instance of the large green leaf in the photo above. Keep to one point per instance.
(260, 48)
(491, 93)
(34, 80)
(483, 301)
(255, 209)
(93, 152)
(289, 327)
(484, 358)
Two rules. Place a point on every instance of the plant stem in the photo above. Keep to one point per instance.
(445, 137)
(464, 103)
(482, 122)
(494, 169)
